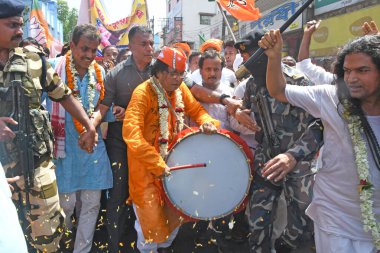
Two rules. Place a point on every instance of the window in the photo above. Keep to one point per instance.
(205, 19)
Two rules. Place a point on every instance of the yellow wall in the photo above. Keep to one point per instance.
(337, 31)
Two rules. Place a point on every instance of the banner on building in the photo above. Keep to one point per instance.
(244, 10)
(323, 6)
(335, 32)
(39, 30)
(275, 18)
(116, 33)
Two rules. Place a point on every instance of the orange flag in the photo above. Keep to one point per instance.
(39, 29)
(241, 9)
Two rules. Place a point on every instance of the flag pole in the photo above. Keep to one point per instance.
(244, 69)
(226, 22)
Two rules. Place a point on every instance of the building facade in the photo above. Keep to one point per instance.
(194, 20)
(188, 20)
(341, 22)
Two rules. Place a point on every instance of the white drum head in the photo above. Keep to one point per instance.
(211, 192)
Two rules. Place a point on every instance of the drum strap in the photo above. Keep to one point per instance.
(259, 179)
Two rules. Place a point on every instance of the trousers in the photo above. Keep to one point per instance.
(87, 216)
(45, 220)
(262, 209)
(119, 216)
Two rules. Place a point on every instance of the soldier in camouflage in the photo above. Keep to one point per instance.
(45, 218)
(299, 137)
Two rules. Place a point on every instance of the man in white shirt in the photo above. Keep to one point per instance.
(210, 66)
(346, 202)
(230, 53)
(227, 74)
(316, 74)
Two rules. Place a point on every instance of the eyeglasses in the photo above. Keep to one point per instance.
(175, 74)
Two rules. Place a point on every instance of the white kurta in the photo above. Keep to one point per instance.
(335, 207)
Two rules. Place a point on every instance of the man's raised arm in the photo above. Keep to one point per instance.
(276, 82)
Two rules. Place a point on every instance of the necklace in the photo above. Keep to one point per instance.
(72, 83)
(365, 187)
(163, 111)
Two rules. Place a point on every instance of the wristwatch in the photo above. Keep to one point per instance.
(223, 96)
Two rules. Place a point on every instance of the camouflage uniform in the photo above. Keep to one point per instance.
(300, 135)
(45, 218)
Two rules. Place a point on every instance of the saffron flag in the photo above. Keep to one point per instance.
(116, 33)
(244, 10)
(38, 28)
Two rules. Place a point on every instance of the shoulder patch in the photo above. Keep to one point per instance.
(32, 56)
(19, 51)
(32, 49)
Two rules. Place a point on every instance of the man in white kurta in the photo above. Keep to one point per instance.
(336, 206)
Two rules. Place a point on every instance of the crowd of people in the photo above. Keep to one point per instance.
(99, 130)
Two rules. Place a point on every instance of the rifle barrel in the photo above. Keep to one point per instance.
(245, 68)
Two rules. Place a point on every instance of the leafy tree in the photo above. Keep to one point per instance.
(68, 16)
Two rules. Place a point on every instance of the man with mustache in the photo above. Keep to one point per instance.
(119, 85)
(81, 177)
(345, 210)
(148, 129)
(44, 221)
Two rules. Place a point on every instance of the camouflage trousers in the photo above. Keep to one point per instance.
(45, 220)
(262, 210)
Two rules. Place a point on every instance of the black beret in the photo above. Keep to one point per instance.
(11, 8)
(249, 42)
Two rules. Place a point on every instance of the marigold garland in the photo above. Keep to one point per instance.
(92, 85)
(163, 110)
(365, 187)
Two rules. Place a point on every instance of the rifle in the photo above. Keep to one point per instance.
(23, 139)
(260, 101)
(247, 67)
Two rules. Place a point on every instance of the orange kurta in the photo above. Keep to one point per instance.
(141, 132)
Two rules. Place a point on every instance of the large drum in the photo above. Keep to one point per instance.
(213, 191)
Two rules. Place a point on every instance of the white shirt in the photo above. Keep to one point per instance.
(316, 74)
(228, 76)
(335, 207)
(11, 236)
(238, 61)
(219, 111)
(245, 133)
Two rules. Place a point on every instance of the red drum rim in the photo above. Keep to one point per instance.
(239, 142)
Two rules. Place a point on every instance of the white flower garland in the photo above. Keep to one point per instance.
(365, 187)
(91, 85)
(163, 111)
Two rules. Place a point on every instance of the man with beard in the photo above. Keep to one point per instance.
(44, 217)
(298, 141)
(345, 210)
(119, 86)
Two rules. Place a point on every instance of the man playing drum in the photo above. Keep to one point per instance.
(149, 126)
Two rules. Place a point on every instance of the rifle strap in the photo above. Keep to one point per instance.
(43, 74)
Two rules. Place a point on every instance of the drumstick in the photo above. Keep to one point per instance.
(188, 166)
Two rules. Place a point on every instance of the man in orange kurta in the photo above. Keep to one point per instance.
(156, 223)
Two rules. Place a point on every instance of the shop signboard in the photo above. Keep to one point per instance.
(323, 6)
